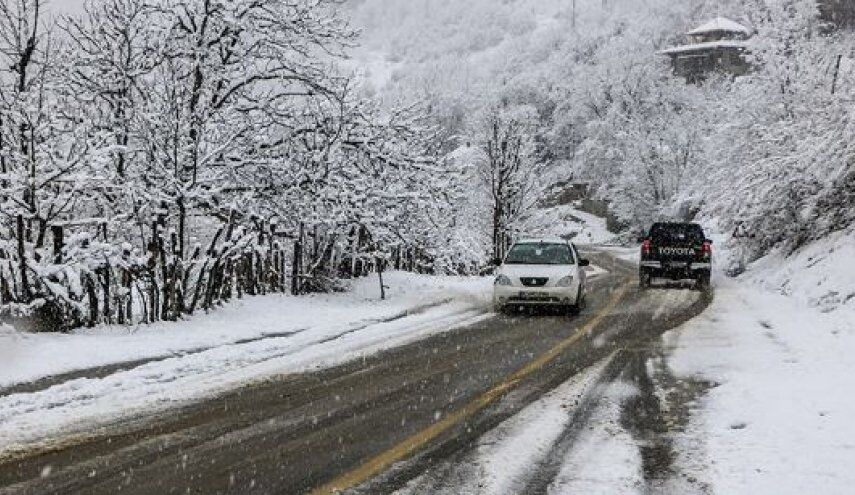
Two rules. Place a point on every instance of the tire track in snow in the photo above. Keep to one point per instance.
(540, 467)
(501, 460)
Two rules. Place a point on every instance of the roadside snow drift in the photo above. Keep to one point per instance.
(779, 419)
(28, 357)
(247, 341)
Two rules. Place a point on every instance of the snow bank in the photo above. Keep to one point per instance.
(248, 341)
(821, 275)
(780, 418)
(27, 357)
(776, 345)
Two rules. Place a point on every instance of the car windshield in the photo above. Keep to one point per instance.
(540, 254)
(676, 232)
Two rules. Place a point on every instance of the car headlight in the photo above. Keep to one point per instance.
(565, 282)
(502, 280)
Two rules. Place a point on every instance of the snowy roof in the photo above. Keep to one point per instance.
(720, 24)
(709, 45)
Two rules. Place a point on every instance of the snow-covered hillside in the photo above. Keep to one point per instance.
(567, 222)
(820, 275)
(770, 151)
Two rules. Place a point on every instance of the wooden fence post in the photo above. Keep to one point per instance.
(380, 276)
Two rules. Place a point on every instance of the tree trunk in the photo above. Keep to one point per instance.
(22, 260)
(58, 243)
(296, 284)
(380, 276)
(105, 274)
(93, 300)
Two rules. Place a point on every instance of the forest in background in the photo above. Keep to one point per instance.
(772, 151)
(158, 157)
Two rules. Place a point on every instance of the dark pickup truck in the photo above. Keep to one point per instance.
(676, 251)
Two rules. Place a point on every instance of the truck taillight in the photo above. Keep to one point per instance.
(706, 250)
(646, 246)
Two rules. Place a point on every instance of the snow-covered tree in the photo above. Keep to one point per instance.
(507, 166)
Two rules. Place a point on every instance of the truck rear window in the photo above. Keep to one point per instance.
(677, 232)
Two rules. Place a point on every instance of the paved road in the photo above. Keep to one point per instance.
(370, 425)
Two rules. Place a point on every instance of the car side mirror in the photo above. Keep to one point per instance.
(584, 262)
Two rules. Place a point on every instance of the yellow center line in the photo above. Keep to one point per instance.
(419, 440)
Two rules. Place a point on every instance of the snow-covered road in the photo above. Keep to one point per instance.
(134, 424)
(585, 411)
(752, 396)
(25, 358)
(605, 431)
(749, 397)
(98, 377)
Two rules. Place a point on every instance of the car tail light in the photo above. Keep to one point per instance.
(706, 250)
(646, 246)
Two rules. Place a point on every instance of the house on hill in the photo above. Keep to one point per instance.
(717, 45)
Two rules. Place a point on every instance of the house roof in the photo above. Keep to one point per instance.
(720, 24)
(706, 46)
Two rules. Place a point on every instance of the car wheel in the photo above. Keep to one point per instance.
(703, 281)
(644, 279)
(576, 308)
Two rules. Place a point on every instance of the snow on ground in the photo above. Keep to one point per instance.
(247, 341)
(776, 346)
(821, 274)
(593, 271)
(626, 253)
(507, 453)
(503, 459)
(567, 222)
(780, 418)
(601, 458)
(604, 458)
(27, 357)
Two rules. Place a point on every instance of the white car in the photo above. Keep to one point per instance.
(542, 272)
